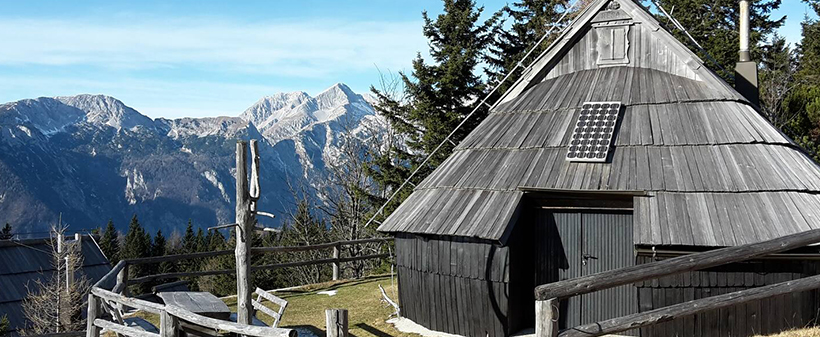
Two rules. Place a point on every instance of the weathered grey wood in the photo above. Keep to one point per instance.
(277, 315)
(320, 261)
(128, 301)
(270, 297)
(237, 328)
(285, 249)
(244, 228)
(254, 188)
(123, 330)
(149, 278)
(177, 257)
(122, 281)
(336, 322)
(168, 325)
(198, 302)
(637, 273)
(111, 274)
(546, 318)
(336, 263)
(692, 307)
(91, 330)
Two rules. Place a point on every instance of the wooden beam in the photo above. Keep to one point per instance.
(111, 275)
(546, 318)
(123, 330)
(150, 278)
(129, 301)
(336, 263)
(671, 312)
(637, 273)
(244, 231)
(320, 261)
(177, 257)
(91, 330)
(168, 325)
(282, 249)
(237, 328)
(336, 322)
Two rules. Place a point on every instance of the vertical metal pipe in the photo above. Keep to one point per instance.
(745, 56)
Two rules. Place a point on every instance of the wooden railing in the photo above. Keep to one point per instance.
(548, 295)
(109, 296)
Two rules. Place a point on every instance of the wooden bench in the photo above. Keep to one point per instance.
(277, 315)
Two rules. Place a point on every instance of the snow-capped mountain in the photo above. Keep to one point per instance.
(93, 158)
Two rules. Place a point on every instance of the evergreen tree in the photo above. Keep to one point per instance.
(137, 245)
(110, 243)
(5, 233)
(158, 248)
(201, 243)
(4, 325)
(714, 24)
(531, 20)
(189, 239)
(437, 96)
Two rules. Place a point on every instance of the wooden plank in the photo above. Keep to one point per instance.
(546, 318)
(123, 330)
(237, 328)
(128, 301)
(690, 308)
(632, 274)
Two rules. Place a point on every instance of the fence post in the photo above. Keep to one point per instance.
(336, 322)
(92, 330)
(122, 278)
(546, 318)
(167, 325)
(336, 262)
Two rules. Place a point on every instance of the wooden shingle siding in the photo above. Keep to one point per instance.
(464, 284)
(754, 318)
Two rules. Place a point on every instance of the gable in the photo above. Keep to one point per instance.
(616, 33)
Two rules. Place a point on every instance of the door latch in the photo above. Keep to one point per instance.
(587, 257)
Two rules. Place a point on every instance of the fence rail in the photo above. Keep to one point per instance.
(548, 295)
(110, 293)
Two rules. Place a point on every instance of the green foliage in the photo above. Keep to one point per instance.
(110, 243)
(5, 233)
(4, 324)
(436, 97)
(137, 245)
(531, 19)
(713, 23)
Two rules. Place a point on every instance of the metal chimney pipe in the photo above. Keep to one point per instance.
(745, 56)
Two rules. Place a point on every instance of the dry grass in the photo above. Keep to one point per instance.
(808, 332)
(362, 299)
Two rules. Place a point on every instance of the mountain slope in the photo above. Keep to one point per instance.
(92, 158)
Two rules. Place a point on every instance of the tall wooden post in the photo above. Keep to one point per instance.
(336, 262)
(336, 322)
(244, 228)
(546, 318)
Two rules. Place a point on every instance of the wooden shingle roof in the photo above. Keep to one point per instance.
(716, 173)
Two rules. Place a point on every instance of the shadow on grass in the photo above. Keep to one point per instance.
(373, 330)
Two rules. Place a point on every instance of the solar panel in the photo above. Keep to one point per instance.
(593, 131)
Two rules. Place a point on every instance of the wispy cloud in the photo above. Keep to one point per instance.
(308, 49)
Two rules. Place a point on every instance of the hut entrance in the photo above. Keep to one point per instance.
(573, 243)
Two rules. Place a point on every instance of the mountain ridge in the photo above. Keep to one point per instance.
(88, 156)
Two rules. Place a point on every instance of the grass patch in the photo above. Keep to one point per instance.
(807, 332)
(362, 299)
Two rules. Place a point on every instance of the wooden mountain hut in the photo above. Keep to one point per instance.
(617, 147)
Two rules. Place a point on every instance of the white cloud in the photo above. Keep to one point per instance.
(307, 49)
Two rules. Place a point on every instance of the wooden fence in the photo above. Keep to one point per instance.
(548, 295)
(109, 296)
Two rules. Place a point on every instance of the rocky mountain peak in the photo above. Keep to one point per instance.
(106, 110)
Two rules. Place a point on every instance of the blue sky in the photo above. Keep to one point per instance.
(205, 58)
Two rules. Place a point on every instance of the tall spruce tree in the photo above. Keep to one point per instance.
(436, 96)
(804, 101)
(531, 19)
(137, 245)
(110, 243)
(714, 24)
(5, 233)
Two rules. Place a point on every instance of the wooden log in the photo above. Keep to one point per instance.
(336, 263)
(123, 330)
(244, 228)
(129, 301)
(92, 330)
(237, 328)
(641, 272)
(336, 322)
(168, 325)
(254, 188)
(546, 318)
(177, 257)
(671, 312)
(104, 281)
(150, 278)
(320, 261)
(284, 249)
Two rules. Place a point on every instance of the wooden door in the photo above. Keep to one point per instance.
(577, 243)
